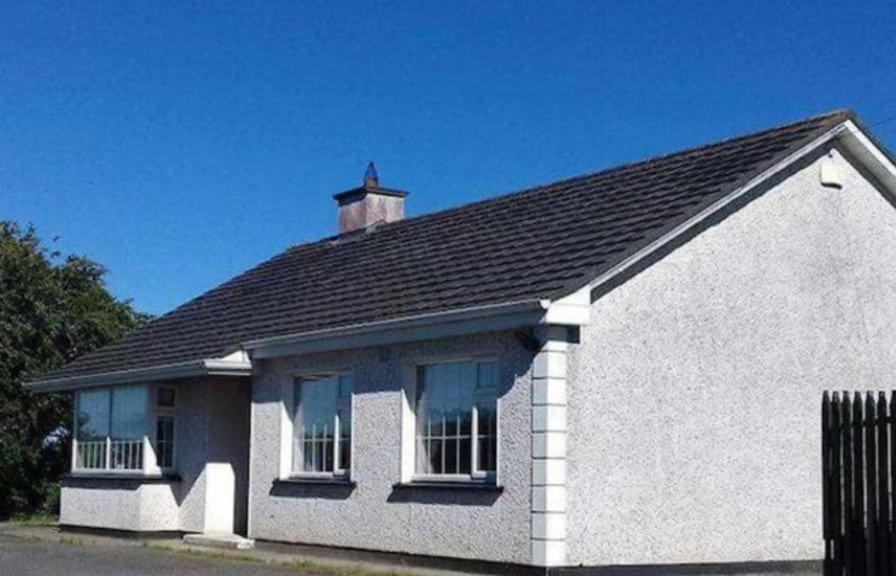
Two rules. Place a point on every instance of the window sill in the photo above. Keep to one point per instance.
(448, 485)
(316, 480)
(123, 476)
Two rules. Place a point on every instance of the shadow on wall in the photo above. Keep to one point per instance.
(115, 483)
(453, 496)
(324, 491)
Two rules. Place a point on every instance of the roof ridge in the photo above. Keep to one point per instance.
(845, 112)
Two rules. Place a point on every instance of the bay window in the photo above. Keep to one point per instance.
(322, 425)
(456, 420)
(111, 430)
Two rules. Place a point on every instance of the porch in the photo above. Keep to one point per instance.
(168, 456)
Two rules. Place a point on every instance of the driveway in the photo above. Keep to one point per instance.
(31, 557)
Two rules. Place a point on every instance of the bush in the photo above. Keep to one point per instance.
(52, 310)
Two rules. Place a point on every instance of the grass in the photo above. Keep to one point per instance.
(307, 565)
(36, 520)
(304, 565)
(209, 554)
(72, 541)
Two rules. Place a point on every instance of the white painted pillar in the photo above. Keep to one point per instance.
(220, 497)
(549, 448)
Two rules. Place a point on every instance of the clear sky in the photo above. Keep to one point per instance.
(182, 143)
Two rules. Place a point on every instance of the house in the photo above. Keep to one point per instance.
(620, 369)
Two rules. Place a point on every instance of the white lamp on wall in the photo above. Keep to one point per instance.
(830, 172)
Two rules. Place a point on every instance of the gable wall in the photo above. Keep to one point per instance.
(694, 398)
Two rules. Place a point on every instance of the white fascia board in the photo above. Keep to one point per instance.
(872, 157)
(414, 328)
(571, 310)
(207, 367)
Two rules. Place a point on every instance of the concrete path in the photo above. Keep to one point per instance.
(43, 550)
(41, 558)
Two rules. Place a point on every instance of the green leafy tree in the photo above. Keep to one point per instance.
(52, 310)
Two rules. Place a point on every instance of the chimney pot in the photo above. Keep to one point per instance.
(371, 178)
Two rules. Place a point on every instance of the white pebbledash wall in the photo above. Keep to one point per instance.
(375, 514)
(694, 398)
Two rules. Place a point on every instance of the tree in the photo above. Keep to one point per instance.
(52, 310)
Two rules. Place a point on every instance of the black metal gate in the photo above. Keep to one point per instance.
(859, 468)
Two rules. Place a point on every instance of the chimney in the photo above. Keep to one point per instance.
(360, 208)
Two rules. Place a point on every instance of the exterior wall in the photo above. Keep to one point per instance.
(228, 453)
(120, 505)
(211, 425)
(192, 446)
(694, 398)
(374, 514)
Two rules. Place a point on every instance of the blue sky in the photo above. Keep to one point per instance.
(182, 145)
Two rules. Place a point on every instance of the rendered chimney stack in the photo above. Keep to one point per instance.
(360, 208)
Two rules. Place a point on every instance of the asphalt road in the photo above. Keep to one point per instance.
(20, 557)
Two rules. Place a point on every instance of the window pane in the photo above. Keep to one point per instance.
(345, 453)
(128, 426)
(435, 457)
(318, 401)
(450, 456)
(328, 456)
(344, 411)
(165, 441)
(486, 454)
(446, 397)
(318, 458)
(486, 421)
(466, 420)
(486, 407)
(93, 428)
(451, 421)
(93, 415)
(165, 397)
(466, 458)
(128, 413)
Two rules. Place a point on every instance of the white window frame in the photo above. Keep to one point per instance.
(287, 429)
(107, 467)
(149, 463)
(160, 412)
(409, 472)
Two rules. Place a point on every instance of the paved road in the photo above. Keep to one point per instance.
(20, 557)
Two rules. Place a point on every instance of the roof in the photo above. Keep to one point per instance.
(538, 243)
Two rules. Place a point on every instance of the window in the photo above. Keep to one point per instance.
(456, 419)
(165, 408)
(92, 423)
(322, 425)
(110, 424)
